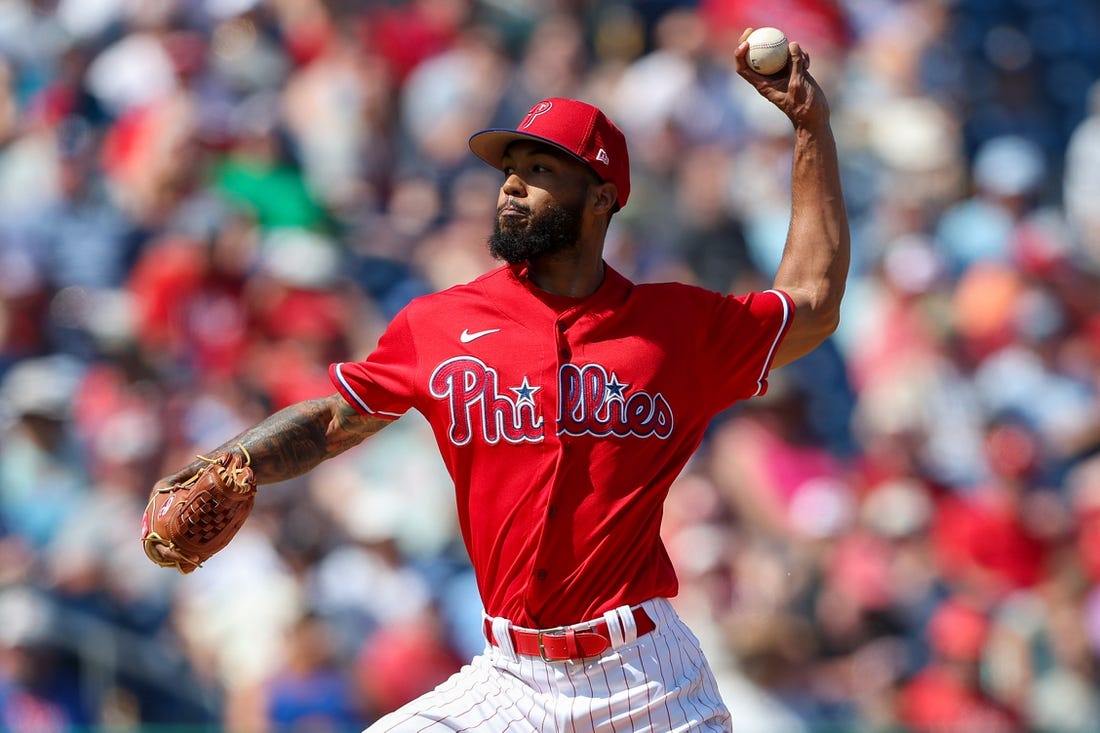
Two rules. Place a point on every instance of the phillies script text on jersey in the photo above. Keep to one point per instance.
(591, 403)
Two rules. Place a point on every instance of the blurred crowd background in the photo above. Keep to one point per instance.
(204, 202)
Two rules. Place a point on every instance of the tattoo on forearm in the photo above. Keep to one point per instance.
(288, 443)
(297, 438)
(349, 428)
(294, 440)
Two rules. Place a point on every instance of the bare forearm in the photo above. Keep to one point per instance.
(296, 439)
(817, 250)
(814, 268)
(288, 443)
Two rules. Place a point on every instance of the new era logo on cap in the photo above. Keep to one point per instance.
(578, 128)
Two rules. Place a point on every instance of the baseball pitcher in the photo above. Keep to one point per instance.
(565, 400)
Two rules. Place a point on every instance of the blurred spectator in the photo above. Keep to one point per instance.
(310, 691)
(775, 470)
(1082, 181)
(404, 659)
(947, 695)
(1037, 661)
(42, 475)
(259, 173)
(179, 288)
(35, 695)
(993, 538)
(1008, 174)
(445, 97)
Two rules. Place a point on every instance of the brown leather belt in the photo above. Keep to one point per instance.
(567, 643)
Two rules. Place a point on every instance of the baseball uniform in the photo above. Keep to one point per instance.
(563, 422)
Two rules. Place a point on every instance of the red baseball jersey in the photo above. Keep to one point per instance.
(563, 422)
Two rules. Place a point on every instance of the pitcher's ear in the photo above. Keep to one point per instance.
(606, 198)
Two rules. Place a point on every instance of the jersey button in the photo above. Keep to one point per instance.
(551, 511)
(562, 326)
(563, 353)
(541, 573)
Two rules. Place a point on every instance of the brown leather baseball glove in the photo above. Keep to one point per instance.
(186, 523)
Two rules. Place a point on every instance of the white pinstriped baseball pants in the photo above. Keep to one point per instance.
(659, 683)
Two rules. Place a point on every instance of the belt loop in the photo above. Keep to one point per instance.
(629, 624)
(502, 632)
(614, 628)
(571, 646)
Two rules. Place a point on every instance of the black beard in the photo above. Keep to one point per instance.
(554, 230)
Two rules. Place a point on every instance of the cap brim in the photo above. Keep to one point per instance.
(489, 145)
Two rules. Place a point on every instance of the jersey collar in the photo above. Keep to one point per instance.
(611, 291)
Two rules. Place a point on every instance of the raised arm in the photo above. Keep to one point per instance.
(295, 440)
(814, 266)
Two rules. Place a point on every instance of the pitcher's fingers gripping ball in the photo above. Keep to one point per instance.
(186, 523)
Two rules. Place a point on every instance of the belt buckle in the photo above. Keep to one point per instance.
(542, 649)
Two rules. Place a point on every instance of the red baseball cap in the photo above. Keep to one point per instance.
(578, 128)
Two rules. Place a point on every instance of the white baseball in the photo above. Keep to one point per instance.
(767, 50)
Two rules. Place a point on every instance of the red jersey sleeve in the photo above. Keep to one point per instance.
(382, 384)
(745, 333)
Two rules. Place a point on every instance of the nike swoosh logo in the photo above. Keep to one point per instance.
(466, 337)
